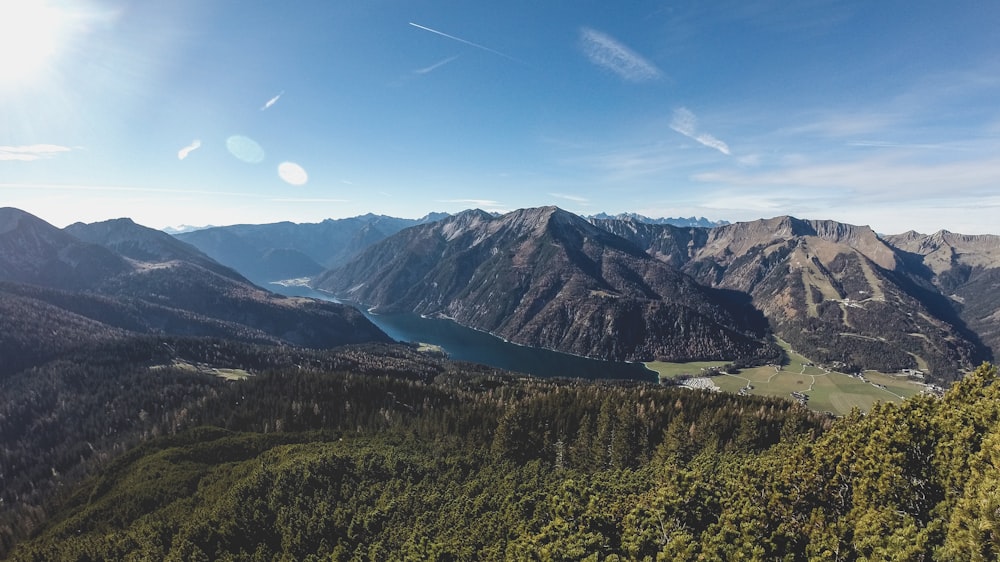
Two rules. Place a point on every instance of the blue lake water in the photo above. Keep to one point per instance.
(465, 344)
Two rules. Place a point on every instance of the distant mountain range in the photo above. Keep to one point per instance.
(701, 222)
(63, 289)
(841, 294)
(611, 288)
(273, 252)
(174, 230)
(286, 250)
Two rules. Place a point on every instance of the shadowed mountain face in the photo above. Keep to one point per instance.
(286, 250)
(146, 244)
(54, 285)
(836, 292)
(33, 251)
(545, 277)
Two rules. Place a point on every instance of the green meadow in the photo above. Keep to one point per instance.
(827, 391)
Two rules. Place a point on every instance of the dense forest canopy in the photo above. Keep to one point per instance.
(379, 452)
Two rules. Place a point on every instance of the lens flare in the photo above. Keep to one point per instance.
(292, 173)
(245, 149)
(31, 34)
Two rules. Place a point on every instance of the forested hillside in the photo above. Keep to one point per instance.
(381, 453)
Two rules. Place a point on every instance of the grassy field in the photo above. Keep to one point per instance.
(228, 374)
(828, 391)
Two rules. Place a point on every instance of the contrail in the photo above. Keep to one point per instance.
(272, 101)
(435, 66)
(470, 43)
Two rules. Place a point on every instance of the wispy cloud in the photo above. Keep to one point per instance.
(604, 51)
(435, 66)
(846, 123)
(474, 202)
(629, 163)
(466, 42)
(307, 200)
(120, 188)
(272, 101)
(891, 144)
(685, 123)
(184, 152)
(881, 177)
(573, 198)
(28, 153)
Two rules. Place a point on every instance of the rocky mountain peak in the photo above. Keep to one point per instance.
(457, 225)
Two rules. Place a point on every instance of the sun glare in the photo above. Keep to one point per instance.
(32, 33)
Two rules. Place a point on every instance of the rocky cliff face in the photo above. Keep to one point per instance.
(547, 278)
(837, 292)
(965, 269)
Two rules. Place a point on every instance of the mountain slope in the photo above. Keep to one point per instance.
(964, 268)
(547, 278)
(33, 251)
(838, 293)
(145, 244)
(163, 287)
(33, 331)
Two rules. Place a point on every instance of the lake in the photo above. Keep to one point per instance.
(466, 344)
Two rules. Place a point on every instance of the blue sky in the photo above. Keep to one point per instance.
(247, 111)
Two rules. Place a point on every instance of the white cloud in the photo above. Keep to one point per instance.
(606, 52)
(28, 153)
(846, 123)
(891, 194)
(479, 202)
(308, 200)
(573, 198)
(184, 152)
(119, 188)
(892, 144)
(685, 123)
(890, 177)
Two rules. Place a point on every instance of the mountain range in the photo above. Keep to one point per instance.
(837, 292)
(75, 287)
(286, 250)
(634, 290)
(673, 221)
(547, 278)
(124, 434)
(621, 288)
(279, 251)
